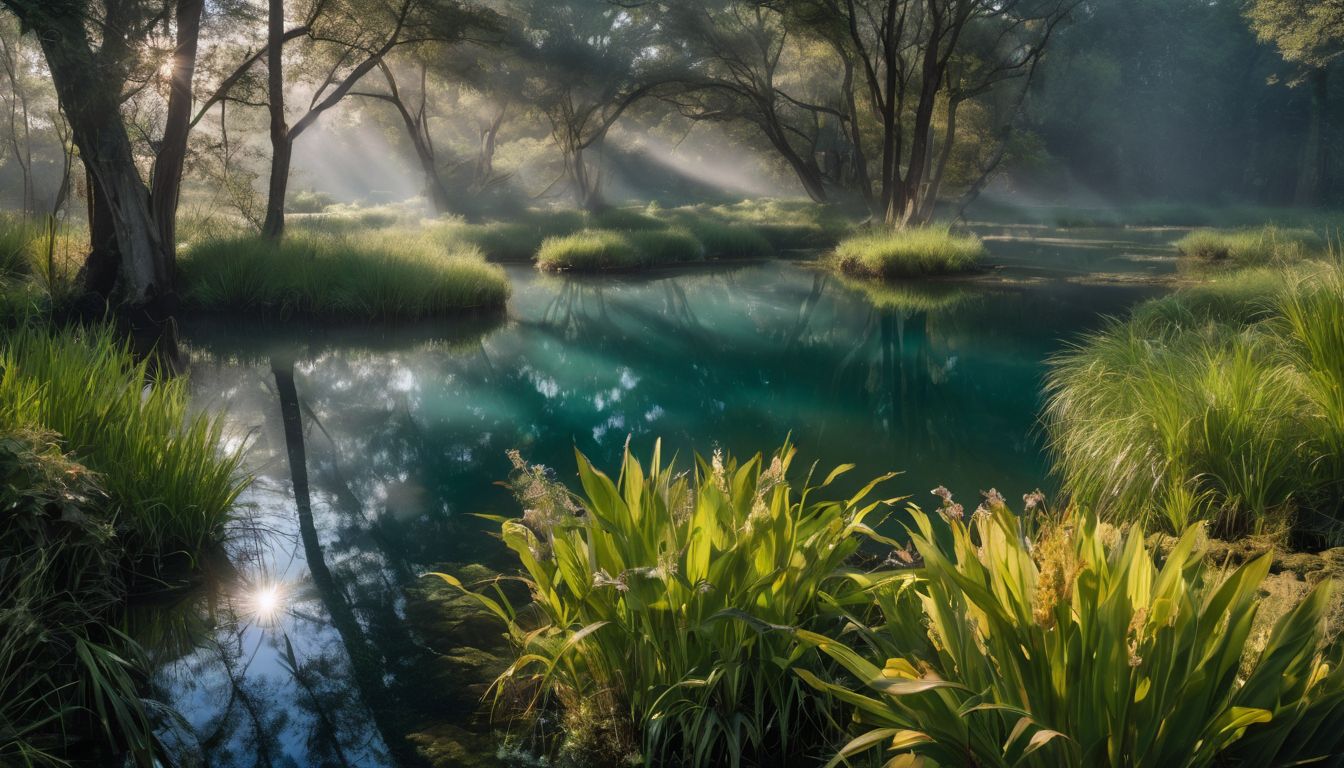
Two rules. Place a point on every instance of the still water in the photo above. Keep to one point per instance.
(373, 446)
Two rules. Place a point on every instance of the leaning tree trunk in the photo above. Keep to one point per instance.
(166, 186)
(586, 191)
(282, 148)
(121, 200)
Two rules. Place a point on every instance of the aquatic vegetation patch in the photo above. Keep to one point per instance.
(1077, 649)
(397, 274)
(654, 594)
(911, 252)
(1266, 246)
(1217, 404)
(595, 250)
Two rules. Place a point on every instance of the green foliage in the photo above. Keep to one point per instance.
(1076, 650)
(63, 672)
(652, 593)
(170, 482)
(909, 252)
(1219, 403)
(1266, 246)
(386, 275)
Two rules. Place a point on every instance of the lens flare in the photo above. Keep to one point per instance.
(266, 602)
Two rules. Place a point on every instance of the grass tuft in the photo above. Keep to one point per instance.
(912, 252)
(1266, 246)
(170, 483)
(1219, 403)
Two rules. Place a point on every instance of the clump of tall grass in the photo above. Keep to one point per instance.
(1076, 649)
(591, 249)
(730, 241)
(912, 252)
(652, 593)
(1217, 404)
(594, 250)
(1266, 246)
(516, 239)
(65, 673)
(371, 276)
(39, 262)
(169, 481)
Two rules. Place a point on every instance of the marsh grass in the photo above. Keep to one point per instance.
(746, 230)
(912, 252)
(1219, 403)
(39, 264)
(170, 482)
(1071, 647)
(65, 673)
(910, 298)
(394, 274)
(1238, 249)
(654, 595)
(596, 250)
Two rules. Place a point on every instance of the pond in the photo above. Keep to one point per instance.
(373, 447)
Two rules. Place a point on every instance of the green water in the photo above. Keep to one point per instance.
(399, 433)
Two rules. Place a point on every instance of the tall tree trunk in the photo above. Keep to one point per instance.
(282, 148)
(92, 106)
(1311, 176)
(166, 186)
(586, 189)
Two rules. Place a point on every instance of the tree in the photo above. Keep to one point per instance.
(94, 50)
(586, 62)
(452, 26)
(917, 57)
(739, 55)
(1309, 33)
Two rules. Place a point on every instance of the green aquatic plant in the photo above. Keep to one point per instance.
(1074, 648)
(170, 480)
(1217, 405)
(653, 594)
(381, 275)
(912, 252)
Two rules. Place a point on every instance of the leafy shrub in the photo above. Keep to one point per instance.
(651, 593)
(170, 484)
(1078, 650)
(908, 253)
(374, 276)
(1221, 406)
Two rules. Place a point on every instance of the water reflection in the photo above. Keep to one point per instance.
(372, 447)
